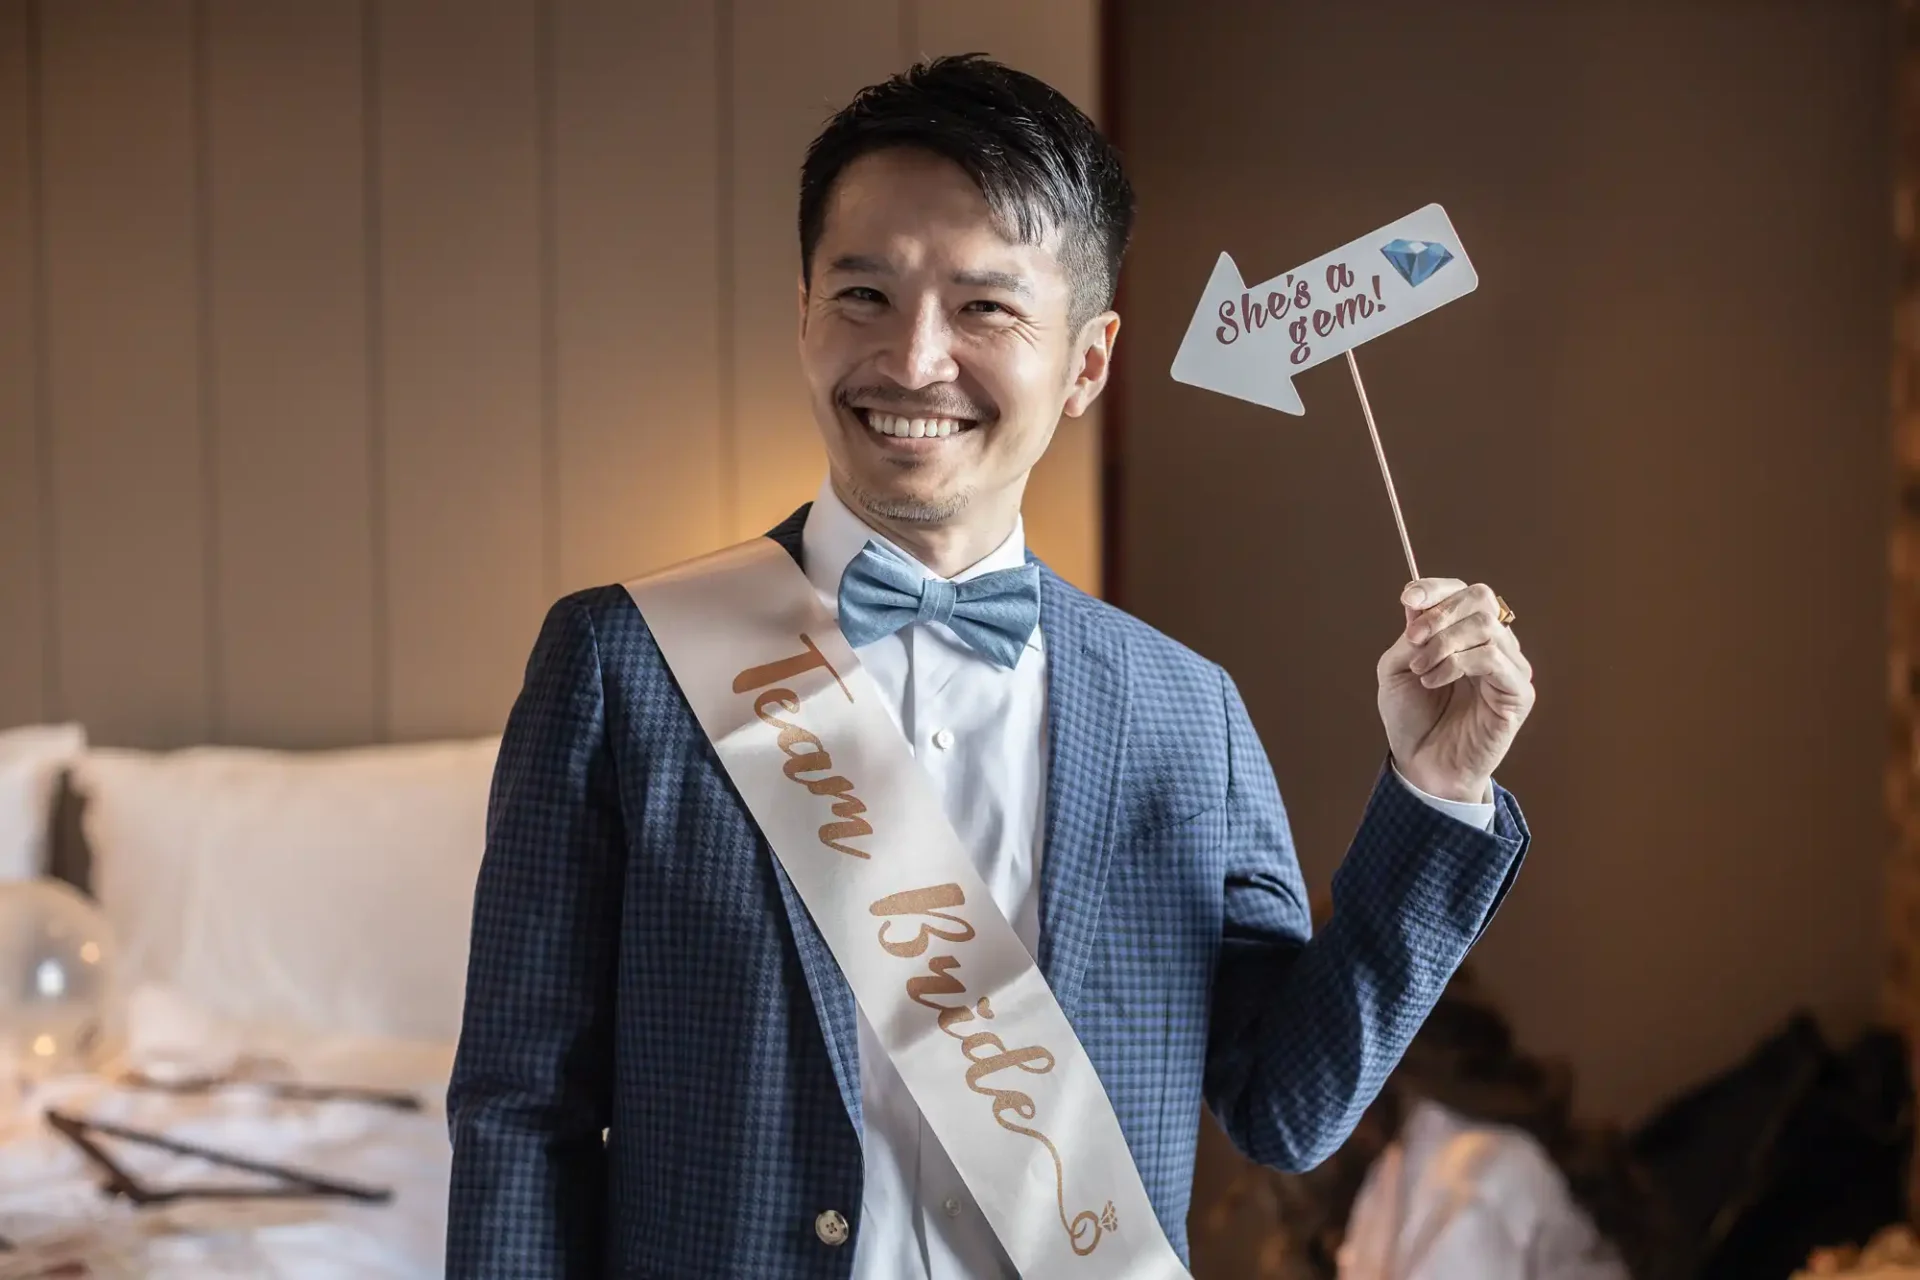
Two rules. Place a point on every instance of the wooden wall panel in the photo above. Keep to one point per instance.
(461, 377)
(793, 66)
(636, 172)
(1060, 43)
(368, 327)
(1901, 988)
(1622, 420)
(123, 316)
(23, 583)
(287, 291)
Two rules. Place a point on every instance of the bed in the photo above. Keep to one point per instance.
(278, 919)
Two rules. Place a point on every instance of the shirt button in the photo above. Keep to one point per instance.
(943, 738)
(952, 1207)
(831, 1228)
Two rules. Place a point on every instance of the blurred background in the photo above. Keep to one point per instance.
(339, 337)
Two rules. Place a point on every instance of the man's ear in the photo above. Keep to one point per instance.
(1095, 351)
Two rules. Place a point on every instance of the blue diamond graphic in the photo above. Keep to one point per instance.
(1415, 260)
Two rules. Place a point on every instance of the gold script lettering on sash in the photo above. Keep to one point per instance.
(923, 902)
(814, 758)
(984, 1050)
(787, 668)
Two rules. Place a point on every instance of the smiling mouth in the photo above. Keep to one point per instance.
(899, 427)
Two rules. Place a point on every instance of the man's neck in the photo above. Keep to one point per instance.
(947, 548)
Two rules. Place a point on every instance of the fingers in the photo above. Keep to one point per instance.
(1471, 631)
(1420, 646)
(1448, 601)
(1454, 630)
(1395, 661)
(1424, 593)
(1496, 664)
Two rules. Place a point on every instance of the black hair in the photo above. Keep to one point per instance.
(1038, 160)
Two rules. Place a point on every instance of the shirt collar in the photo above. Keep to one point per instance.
(833, 536)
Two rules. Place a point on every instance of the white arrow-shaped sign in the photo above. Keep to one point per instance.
(1247, 341)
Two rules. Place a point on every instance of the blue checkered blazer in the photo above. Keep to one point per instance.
(642, 964)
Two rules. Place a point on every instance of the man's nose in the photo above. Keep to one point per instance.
(922, 352)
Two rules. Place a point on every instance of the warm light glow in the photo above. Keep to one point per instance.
(43, 1046)
(90, 953)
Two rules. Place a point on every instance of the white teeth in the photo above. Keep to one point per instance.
(888, 424)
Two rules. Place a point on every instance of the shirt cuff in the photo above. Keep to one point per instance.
(1478, 816)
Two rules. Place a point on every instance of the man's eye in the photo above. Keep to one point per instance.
(860, 293)
(986, 307)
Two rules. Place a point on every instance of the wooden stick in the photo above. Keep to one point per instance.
(1399, 521)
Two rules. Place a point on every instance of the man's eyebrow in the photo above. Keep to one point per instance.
(1006, 280)
(861, 264)
(869, 265)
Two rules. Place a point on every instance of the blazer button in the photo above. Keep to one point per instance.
(831, 1228)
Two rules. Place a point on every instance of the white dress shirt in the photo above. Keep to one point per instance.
(979, 731)
(1453, 1198)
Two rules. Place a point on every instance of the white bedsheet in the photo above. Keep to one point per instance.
(51, 1206)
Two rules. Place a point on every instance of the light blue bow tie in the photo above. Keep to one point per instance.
(994, 613)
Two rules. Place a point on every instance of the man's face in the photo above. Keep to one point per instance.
(937, 352)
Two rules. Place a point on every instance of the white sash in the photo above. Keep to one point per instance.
(962, 1009)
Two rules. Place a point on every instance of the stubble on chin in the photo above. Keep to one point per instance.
(908, 509)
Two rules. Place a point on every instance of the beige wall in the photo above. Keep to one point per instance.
(337, 339)
(1659, 427)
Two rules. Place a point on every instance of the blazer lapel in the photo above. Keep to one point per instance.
(1086, 746)
(833, 1001)
(832, 997)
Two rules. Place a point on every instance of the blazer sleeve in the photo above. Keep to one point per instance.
(529, 1097)
(1305, 1027)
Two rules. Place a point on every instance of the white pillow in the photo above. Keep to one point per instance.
(323, 891)
(31, 762)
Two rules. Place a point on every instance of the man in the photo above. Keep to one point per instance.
(663, 1071)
